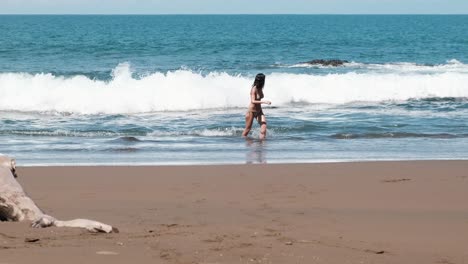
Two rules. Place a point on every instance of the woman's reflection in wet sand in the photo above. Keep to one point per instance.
(256, 151)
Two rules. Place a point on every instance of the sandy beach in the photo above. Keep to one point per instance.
(369, 212)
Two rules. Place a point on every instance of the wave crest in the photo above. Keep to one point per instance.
(185, 90)
(452, 65)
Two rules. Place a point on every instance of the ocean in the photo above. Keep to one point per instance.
(174, 89)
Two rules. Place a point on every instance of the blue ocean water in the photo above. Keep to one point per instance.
(174, 89)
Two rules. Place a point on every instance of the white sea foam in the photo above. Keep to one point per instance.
(452, 65)
(185, 90)
(217, 132)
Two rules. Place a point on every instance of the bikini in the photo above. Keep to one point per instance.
(257, 111)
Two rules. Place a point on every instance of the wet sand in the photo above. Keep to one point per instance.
(365, 212)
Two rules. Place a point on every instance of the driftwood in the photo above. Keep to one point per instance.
(15, 204)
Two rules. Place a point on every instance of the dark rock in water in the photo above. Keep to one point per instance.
(333, 63)
(127, 139)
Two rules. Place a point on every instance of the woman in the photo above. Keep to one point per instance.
(255, 107)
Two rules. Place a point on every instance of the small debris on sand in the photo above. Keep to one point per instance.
(396, 180)
(31, 240)
(378, 252)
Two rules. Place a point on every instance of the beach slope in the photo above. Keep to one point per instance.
(365, 212)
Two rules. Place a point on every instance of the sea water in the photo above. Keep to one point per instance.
(175, 89)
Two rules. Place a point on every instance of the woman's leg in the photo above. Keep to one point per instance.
(249, 117)
(263, 126)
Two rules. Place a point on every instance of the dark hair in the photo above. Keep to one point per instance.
(259, 81)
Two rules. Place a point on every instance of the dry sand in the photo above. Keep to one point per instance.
(371, 212)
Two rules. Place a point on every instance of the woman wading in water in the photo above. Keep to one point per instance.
(255, 108)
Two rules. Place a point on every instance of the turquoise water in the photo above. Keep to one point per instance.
(174, 89)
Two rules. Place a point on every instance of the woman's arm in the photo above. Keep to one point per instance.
(253, 98)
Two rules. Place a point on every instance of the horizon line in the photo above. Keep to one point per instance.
(233, 14)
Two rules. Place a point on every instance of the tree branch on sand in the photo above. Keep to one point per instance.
(16, 206)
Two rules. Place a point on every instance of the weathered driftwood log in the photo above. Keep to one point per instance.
(15, 205)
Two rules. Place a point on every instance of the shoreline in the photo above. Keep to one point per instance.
(369, 212)
(149, 165)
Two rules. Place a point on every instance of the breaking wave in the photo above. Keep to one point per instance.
(452, 65)
(184, 90)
